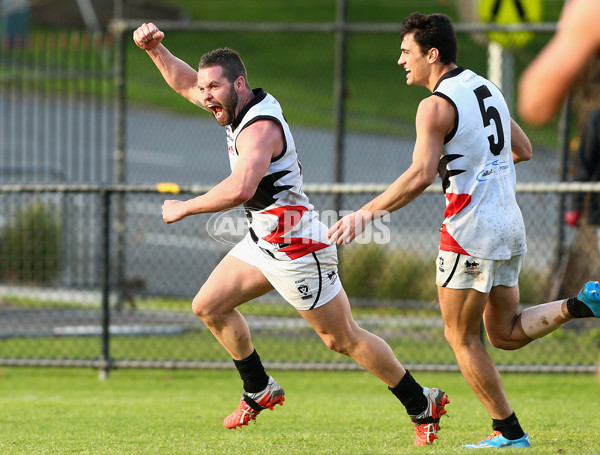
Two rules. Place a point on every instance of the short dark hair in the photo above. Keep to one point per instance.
(433, 30)
(228, 59)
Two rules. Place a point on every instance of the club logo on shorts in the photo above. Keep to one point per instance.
(332, 276)
(472, 268)
(303, 289)
(441, 264)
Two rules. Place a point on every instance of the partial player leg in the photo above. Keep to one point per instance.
(462, 310)
(232, 283)
(340, 332)
(507, 330)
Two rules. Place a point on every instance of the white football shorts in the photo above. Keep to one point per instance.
(459, 271)
(306, 283)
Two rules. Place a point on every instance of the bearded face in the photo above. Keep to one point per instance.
(218, 95)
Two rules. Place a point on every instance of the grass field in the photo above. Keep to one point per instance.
(70, 411)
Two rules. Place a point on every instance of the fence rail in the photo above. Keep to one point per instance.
(91, 276)
(156, 329)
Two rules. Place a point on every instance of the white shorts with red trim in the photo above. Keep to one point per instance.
(306, 282)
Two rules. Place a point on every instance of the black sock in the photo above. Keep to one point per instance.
(509, 427)
(252, 373)
(578, 309)
(410, 394)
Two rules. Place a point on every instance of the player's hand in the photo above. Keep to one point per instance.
(572, 218)
(350, 226)
(172, 211)
(148, 36)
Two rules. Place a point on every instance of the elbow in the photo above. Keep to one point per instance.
(533, 106)
(426, 181)
(241, 195)
(537, 109)
(421, 184)
(526, 152)
(528, 155)
(532, 114)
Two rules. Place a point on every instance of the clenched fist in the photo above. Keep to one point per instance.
(148, 36)
(173, 211)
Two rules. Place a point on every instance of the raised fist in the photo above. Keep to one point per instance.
(147, 36)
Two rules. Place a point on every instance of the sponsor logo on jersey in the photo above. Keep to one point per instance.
(492, 170)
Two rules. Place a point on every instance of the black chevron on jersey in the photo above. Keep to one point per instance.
(445, 174)
(266, 191)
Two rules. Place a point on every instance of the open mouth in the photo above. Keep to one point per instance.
(216, 110)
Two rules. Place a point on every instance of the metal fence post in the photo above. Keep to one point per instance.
(120, 145)
(104, 364)
(339, 97)
(564, 131)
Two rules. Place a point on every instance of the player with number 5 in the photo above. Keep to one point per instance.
(466, 135)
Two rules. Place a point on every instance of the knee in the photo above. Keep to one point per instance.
(337, 344)
(201, 307)
(500, 342)
(459, 340)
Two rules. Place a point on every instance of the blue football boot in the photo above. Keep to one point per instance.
(497, 441)
(590, 295)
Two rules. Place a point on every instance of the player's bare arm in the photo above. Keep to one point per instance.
(520, 144)
(434, 120)
(547, 80)
(180, 76)
(257, 144)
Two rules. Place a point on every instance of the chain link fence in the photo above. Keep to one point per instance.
(91, 276)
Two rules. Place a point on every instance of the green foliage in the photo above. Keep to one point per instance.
(533, 287)
(372, 271)
(30, 246)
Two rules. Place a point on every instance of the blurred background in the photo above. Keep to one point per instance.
(90, 275)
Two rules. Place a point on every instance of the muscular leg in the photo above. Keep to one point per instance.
(340, 332)
(508, 330)
(462, 310)
(231, 283)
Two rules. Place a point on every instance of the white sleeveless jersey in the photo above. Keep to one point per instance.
(482, 218)
(282, 220)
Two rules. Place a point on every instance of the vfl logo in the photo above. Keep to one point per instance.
(303, 289)
(472, 268)
(492, 170)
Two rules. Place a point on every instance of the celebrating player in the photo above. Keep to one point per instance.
(465, 133)
(286, 248)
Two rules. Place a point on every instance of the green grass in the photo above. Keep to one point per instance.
(70, 411)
